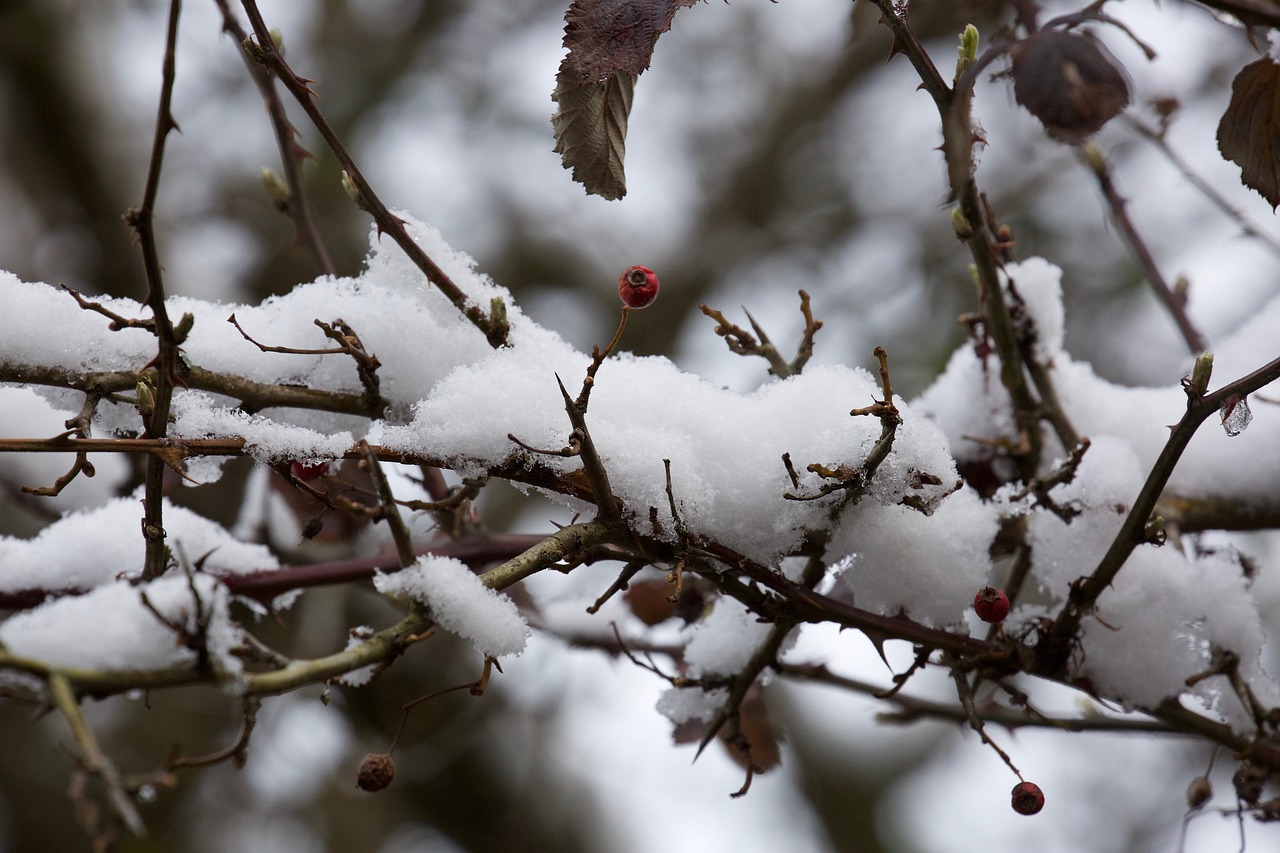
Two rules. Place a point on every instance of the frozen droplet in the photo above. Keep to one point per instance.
(146, 793)
(1235, 415)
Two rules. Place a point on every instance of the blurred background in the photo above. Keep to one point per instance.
(771, 148)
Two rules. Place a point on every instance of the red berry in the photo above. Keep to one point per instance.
(991, 604)
(309, 471)
(638, 286)
(1027, 798)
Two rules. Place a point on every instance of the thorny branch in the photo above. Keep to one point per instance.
(1174, 301)
(785, 603)
(168, 365)
(742, 342)
(293, 201)
(494, 324)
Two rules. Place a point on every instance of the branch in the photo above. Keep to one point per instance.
(493, 325)
(913, 709)
(1055, 646)
(1174, 303)
(297, 206)
(167, 362)
(92, 756)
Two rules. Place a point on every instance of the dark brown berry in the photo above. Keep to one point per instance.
(1027, 798)
(1199, 792)
(991, 604)
(376, 772)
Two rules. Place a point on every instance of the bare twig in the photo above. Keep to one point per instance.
(742, 342)
(1175, 302)
(91, 754)
(493, 324)
(167, 362)
(297, 206)
(390, 512)
(1055, 646)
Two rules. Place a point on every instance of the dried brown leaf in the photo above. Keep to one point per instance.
(1249, 132)
(608, 37)
(591, 129)
(1067, 81)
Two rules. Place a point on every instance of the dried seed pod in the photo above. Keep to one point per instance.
(1199, 792)
(375, 772)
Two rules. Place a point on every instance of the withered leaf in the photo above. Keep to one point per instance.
(1249, 133)
(1067, 81)
(607, 37)
(591, 129)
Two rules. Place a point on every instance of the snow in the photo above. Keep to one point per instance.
(96, 547)
(1035, 287)
(723, 642)
(456, 400)
(892, 573)
(111, 628)
(461, 604)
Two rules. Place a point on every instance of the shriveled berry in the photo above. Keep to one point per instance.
(638, 286)
(309, 471)
(375, 772)
(1027, 798)
(991, 604)
(1199, 792)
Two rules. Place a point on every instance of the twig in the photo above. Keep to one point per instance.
(742, 342)
(1174, 303)
(475, 688)
(236, 751)
(79, 426)
(912, 709)
(1055, 646)
(607, 506)
(367, 363)
(399, 530)
(854, 482)
(1158, 139)
(629, 571)
(167, 361)
(298, 206)
(92, 756)
(597, 358)
(493, 324)
(964, 690)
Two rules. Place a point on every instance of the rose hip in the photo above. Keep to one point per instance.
(638, 287)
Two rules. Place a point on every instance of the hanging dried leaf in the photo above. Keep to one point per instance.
(610, 43)
(1067, 81)
(607, 37)
(591, 129)
(1249, 133)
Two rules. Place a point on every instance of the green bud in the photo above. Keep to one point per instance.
(184, 327)
(277, 190)
(145, 389)
(1093, 155)
(961, 224)
(968, 50)
(1201, 371)
(352, 190)
(498, 312)
(277, 39)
